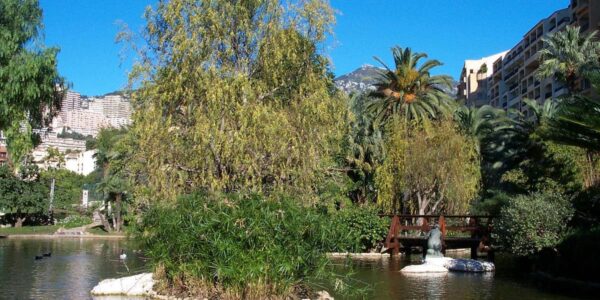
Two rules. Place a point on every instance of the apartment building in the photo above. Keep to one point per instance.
(473, 86)
(70, 102)
(513, 76)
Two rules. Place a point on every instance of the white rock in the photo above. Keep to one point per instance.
(324, 295)
(470, 265)
(424, 268)
(438, 261)
(137, 285)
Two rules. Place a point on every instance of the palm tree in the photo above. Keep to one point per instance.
(410, 89)
(365, 151)
(111, 158)
(542, 112)
(480, 122)
(567, 56)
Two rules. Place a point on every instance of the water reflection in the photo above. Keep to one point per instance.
(389, 283)
(75, 266)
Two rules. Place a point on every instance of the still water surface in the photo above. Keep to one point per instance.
(76, 265)
(387, 282)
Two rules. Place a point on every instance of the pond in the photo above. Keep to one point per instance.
(387, 282)
(76, 265)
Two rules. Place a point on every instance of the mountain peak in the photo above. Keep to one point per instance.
(364, 78)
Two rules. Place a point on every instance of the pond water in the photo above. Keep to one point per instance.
(76, 265)
(387, 282)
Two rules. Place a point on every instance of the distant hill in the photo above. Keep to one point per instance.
(363, 78)
(359, 80)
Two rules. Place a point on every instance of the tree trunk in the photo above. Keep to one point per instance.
(104, 217)
(105, 222)
(20, 221)
(591, 160)
(114, 221)
(118, 221)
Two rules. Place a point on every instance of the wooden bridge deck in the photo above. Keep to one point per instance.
(478, 236)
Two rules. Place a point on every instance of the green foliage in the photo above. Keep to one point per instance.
(29, 80)
(20, 143)
(491, 203)
(357, 229)
(435, 167)
(75, 135)
(568, 55)
(410, 90)
(530, 223)
(30, 230)
(587, 208)
(22, 196)
(242, 246)
(365, 151)
(113, 153)
(237, 97)
(73, 221)
(68, 187)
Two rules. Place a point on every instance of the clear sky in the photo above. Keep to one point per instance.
(448, 30)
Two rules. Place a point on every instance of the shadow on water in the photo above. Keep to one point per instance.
(76, 265)
(387, 282)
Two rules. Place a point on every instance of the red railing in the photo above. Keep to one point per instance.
(403, 228)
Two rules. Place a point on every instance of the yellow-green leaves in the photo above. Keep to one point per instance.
(436, 168)
(234, 96)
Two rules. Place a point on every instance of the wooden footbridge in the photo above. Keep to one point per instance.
(458, 231)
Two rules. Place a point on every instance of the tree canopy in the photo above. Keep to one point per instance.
(410, 90)
(433, 169)
(234, 95)
(29, 81)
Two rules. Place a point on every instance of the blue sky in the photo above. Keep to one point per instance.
(448, 30)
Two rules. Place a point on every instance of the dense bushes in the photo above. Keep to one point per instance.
(235, 246)
(530, 223)
(357, 229)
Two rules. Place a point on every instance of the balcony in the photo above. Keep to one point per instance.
(564, 20)
(533, 59)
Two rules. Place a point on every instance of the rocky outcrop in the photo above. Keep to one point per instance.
(470, 265)
(136, 285)
(445, 264)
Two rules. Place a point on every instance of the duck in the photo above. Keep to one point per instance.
(123, 255)
(38, 257)
(47, 254)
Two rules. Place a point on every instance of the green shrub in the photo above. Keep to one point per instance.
(358, 229)
(234, 246)
(491, 203)
(73, 221)
(530, 223)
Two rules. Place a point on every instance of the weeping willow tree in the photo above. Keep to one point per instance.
(234, 95)
(433, 169)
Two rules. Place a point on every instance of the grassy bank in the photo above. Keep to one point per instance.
(29, 230)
